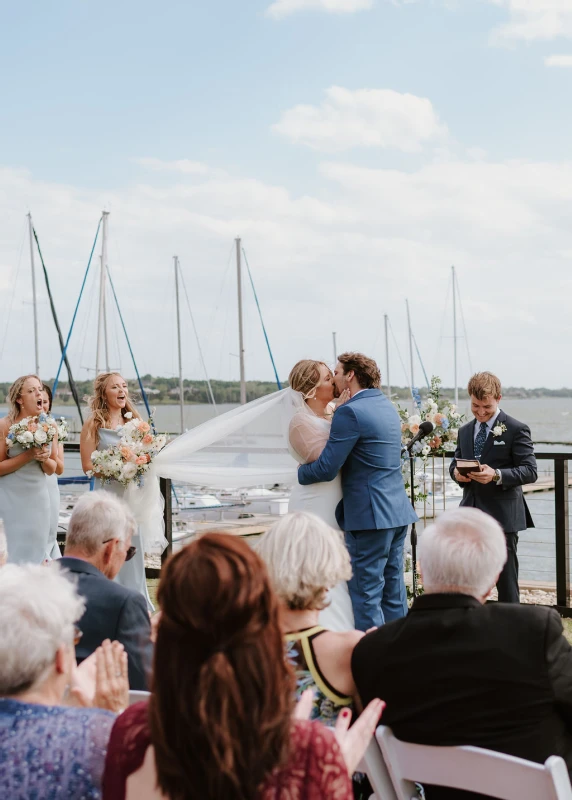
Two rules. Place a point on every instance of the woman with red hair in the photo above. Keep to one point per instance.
(219, 723)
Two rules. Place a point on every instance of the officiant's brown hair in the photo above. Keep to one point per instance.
(484, 384)
(365, 369)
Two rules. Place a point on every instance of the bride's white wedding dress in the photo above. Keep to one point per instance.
(308, 435)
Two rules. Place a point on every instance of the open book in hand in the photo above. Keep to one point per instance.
(464, 466)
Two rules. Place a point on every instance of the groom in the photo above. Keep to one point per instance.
(365, 443)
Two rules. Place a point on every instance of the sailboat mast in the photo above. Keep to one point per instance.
(410, 351)
(335, 348)
(101, 319)
(181, 395)
(455, 335)
(34, 296)
(240, 325)
(386, 322)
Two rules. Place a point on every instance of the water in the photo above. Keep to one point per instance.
(549, 418)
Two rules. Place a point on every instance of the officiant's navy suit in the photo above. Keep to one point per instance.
(512, 453)
(365, 444)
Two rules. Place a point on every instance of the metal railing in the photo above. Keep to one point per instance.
(555, 520)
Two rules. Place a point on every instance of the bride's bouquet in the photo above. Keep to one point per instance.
(129, 460)
(31, 432)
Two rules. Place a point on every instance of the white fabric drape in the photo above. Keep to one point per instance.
(243, 448)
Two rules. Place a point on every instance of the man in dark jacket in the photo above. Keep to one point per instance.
(458, 672)
(504, 448)
(97, 545)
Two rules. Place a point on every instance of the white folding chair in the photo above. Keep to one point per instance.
(374, 767)
(472, 769)
(136, 695)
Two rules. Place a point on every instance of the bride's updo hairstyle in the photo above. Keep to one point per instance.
(98, 404)
(222, 691)
(305, 376)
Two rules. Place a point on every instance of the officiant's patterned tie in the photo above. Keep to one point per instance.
(481, 439)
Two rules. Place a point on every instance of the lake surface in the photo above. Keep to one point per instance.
(550, 420)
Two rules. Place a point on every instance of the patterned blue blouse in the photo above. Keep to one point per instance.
(49, 752)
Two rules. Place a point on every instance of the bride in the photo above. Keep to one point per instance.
(308, 432)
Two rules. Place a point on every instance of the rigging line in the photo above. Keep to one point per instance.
(464, 326)
(73, 387)
(440, 339)
(262, 322)
(143, 393)
(65, 350)
(421, 361)
(9, 314)
(198, 341)
(398, 352)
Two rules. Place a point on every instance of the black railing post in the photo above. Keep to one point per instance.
(165, 484)
(562, 532)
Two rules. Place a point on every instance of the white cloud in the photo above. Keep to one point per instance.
(534, 19)
(283, 8)
(183, 165)
(334, 260)
(558, 61)
(363, 118)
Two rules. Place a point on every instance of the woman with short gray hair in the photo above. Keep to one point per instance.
(305, 558)
(37, 665)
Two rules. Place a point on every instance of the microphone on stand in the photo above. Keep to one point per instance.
(424, 430)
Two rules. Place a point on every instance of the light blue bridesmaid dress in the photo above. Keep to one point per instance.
(132, 574)
(52, 549)
(25, 509)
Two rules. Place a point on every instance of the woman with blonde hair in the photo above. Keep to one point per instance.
(306, 558)
(314, 395)
(110, 409)
(24, 495)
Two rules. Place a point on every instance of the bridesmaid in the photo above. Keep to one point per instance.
(24, 494)
(109, 405)
(53, 550)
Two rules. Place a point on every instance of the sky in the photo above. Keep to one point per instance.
(359, 148)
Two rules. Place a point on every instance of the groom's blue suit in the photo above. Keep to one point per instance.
(365, 444)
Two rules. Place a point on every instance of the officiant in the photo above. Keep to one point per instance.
(503, 447)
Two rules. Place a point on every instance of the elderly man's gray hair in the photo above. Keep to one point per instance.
(463, 551)
(305, 557)
(39, 608)
(96, 518)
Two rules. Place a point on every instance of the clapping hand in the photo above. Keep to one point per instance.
(353, 741)
(101, 680)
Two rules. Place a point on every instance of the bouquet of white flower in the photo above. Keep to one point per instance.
(32, 432)
(438, 410)
(63, 431)
(128, 461)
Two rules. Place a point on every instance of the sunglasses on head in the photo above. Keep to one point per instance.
(129, 553)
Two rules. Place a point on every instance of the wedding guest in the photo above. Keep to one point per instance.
(98, 543)
(111, 408)
(219, 720)
(48, 749)
(23, 476)
(506, 454)
(305, 558)
(457, 671)
(53, 550)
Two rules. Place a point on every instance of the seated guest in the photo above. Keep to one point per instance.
(46, 749)
(219, 721)
(98, 543)
(305, 558)
(457, 672)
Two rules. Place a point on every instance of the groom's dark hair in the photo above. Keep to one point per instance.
(365, 369)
